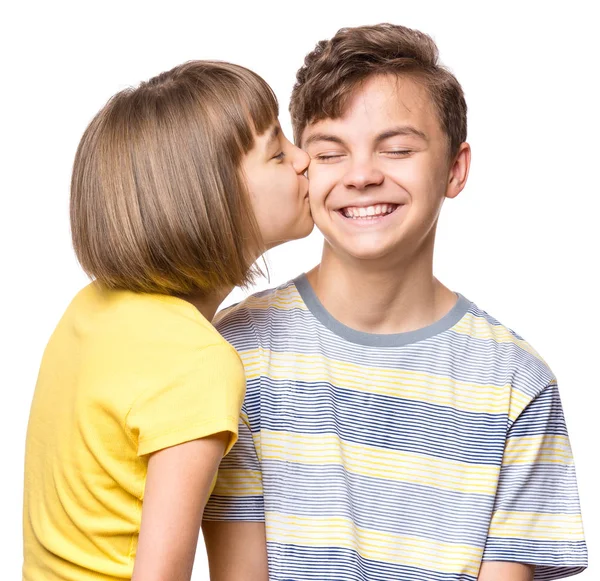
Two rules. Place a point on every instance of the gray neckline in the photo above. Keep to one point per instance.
(456, 313)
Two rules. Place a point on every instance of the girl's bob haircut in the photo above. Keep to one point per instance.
(159, 203)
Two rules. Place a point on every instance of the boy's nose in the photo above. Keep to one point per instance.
(361, 175)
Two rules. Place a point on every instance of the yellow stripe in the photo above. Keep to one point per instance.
(378, 546)
(416, 386)
(537, 526)
(545, 448)
(238, 482)
(375, 462)
(284, 300)
(480, 328)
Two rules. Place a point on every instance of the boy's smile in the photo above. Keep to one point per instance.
(379, 174)
(370, 214)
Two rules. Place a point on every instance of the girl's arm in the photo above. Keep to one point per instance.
(177, 488)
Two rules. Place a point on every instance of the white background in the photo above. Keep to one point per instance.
(521, 240)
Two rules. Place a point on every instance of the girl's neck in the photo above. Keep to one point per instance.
(207, 304)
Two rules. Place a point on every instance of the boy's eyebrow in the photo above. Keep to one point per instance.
(401, 130)
(393, 132)
(322, 137)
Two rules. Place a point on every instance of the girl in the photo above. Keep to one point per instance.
(178, 186)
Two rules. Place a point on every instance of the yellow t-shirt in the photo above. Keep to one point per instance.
(123, 375)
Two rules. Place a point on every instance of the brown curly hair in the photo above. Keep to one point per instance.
(335, 68)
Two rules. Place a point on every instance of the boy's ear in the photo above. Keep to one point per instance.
(459, 171)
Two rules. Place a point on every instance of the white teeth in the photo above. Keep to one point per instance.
(368, 212)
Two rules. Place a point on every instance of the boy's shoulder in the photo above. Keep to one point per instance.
(479, 324)
(502, 347)
(478, 340)
(245, 318)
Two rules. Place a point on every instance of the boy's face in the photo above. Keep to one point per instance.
(379, 174)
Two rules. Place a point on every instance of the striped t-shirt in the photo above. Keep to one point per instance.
(410, 456)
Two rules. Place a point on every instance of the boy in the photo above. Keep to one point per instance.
(391, 428)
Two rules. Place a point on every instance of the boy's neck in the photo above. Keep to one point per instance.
(379, 297)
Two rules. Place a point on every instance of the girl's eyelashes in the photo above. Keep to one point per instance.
(398, 152)
(279, 156)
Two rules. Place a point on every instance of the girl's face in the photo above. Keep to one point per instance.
(274, 170)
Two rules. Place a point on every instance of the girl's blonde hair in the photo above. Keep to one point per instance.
(158, 200)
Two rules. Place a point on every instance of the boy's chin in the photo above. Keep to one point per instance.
(368, 252)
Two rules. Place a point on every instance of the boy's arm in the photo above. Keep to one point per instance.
(536, 518)
(236, 550)
(233, 526)
(497, 571)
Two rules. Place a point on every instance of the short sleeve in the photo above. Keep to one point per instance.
(238, 493)
(536, 518)
(201, 400)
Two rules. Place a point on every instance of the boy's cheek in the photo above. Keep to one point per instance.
(317, 203)
(313, 171)
(320, 170)
(320, 185)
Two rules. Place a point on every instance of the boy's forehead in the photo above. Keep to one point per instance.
(381, 102)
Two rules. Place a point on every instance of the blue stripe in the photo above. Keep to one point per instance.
(553, 559)
(299, 563)
(409, 509)
(543, 480)
(385, 422)
(244, 508)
